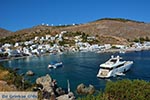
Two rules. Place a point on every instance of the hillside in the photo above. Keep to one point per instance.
(108, 30)
(121, 29)
(11, 81)
(4, 32)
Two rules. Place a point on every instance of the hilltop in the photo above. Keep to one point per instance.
(121, 28)
(107, 30)
(4, 32)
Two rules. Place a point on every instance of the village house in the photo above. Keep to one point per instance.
(36, 38)
(47, 37)
(91, 38)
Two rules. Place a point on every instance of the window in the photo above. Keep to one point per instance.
(119, 65)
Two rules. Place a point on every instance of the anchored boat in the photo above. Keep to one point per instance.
(113, 67)
(55, 65)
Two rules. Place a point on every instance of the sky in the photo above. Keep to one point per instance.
(20, 14)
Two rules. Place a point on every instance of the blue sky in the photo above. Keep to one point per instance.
(20, 14)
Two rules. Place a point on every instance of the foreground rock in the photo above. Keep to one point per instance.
(82, 89)
(59, 91)
(29, 73)
(44, 80)
(49, 89)
(69, 96)
(5, 87)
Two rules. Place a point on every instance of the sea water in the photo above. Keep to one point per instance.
(81, 67)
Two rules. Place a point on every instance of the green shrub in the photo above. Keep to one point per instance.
(123, 90)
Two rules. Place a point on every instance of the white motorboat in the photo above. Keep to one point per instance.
(55, 65)
(113, 67)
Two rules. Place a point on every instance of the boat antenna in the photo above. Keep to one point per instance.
(112, 56)
(68, 86)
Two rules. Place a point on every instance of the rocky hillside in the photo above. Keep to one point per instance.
(108, 30)
(4, 32)
(11, 81)
(126, 29)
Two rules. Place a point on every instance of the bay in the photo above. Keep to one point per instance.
(81, 67)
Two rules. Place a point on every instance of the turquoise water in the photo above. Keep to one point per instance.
(81, 67)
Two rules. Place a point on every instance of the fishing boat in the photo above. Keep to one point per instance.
(55, 65)
(113, 67)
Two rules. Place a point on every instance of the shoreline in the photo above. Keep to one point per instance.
(102, 51)
(124, 50)
(14, 58)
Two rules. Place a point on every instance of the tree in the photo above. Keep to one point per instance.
(147, 38)
(136, 40)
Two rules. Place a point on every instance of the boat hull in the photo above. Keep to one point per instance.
(107, 74)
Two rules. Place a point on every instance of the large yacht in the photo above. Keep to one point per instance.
(113, 67)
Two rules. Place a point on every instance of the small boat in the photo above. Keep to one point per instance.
(55, 65)
(113, 67)
(120, 74)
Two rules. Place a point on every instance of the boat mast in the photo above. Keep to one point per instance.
(68, 86)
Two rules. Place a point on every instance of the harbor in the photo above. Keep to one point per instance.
(81, 67)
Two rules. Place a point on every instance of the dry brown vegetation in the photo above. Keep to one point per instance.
(4, 86)
(4, 32)
(11, 81)
(109, 30)
(3, 74)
